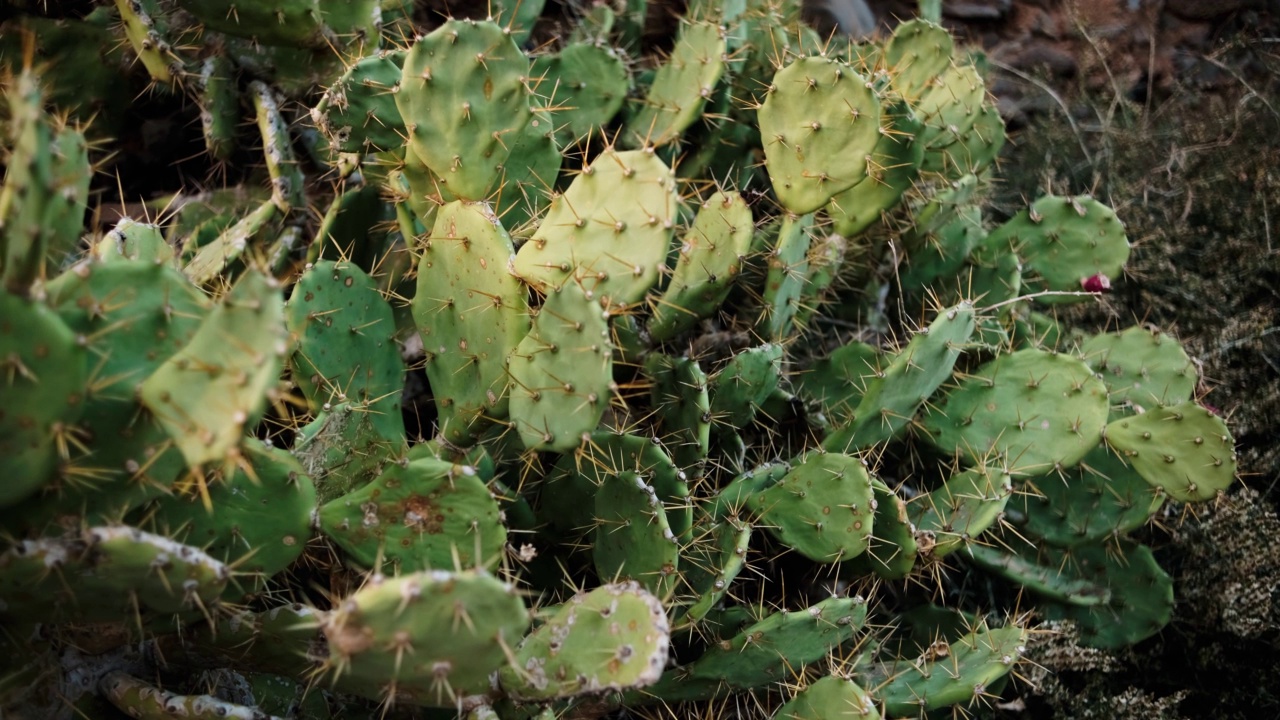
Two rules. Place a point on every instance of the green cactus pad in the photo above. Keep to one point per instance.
(567, 496)
(45, 190)
(957, 512)
(1062, 242)
(220, 113)
(788, 277)
(766, 652)
(615, 637)
(818, 124)
(744, 384)
(287, 182)
(530, 174)
(681, 86)
(1183, 449)
(711, 257)
(829, 697)
(352, 231)
(1035, 411)
(988, 277)
(974, 150)
(345, 351)
(429, 638)
(145, 29)
(207, 394)
(562, 372)
(951, 674)
(1141, 367)
(680, 395)
(892, 168)
(838, 382)
(517, 17)
(44, 376)
(586, 84)
(826, 259)
(427, 514)
(949, 105)
(823, 508)
(633, 540)
(732, 500)
(305, 24)
(944, 252)
(709, 565)
(1115, 591)
(104, 574)
(610, 230)
(471, 314)
(138, 314)
(892, 549)
(261, 518)
(1100, 498)
(229, 244)
(358, 112)
(893, 396)
(463, 99)
(344, 448)
(1051, 581)
(1141, 594)
(917, 52)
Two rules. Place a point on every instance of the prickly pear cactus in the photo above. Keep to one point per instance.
(601, 378)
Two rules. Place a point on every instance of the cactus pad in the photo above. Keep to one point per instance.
(562, 372)
(613, 638)
(711, 256)
(829, 697)
(1064, 241)
(822, 509)
(427, 514)
(892, 397)
(818, 123)
(610, 231)
(954, 673)
(207, 394)
(1141, 367)
(633, 539)
(345, 350)
(471, 314)
(1184, 449)
(1037, 411)
(430, 638)
(463, 97)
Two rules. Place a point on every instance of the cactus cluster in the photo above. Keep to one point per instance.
(607, 380)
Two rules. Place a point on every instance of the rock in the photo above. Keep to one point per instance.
(977, 9)
(1043, 55)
